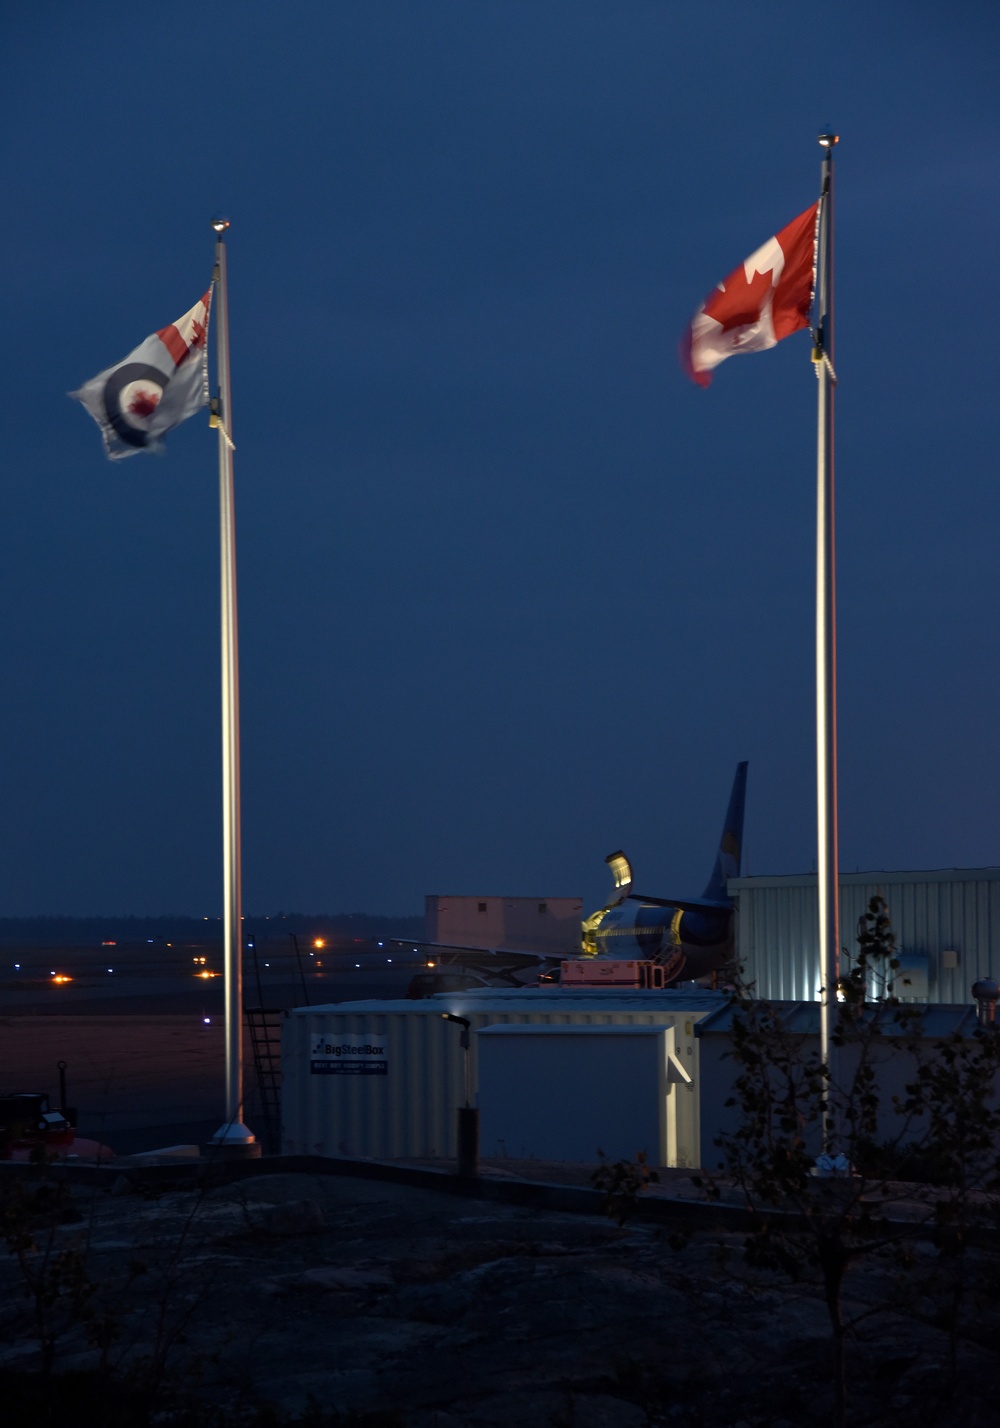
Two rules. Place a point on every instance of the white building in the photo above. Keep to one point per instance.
(519, 924)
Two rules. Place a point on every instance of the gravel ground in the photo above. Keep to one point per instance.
(379, 1304)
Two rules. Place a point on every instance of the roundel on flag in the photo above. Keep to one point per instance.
(132, 394)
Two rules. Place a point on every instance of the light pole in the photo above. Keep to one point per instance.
(468, 1115)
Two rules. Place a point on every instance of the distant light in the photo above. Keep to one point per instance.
(111, 969)
(149, 939)
(267, 964)
(357, 964)
(430, 964)
(109, 944)
(319, 942)
(207, 1019)
(389, 960)
(17, 966)
(380, 944)
(61, 978)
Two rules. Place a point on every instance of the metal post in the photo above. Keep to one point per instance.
(233, 1133)
(826, 628)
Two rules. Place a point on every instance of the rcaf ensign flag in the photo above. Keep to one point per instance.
(763, 300)
(155, 388)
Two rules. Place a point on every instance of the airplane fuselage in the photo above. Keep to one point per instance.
(650, 932)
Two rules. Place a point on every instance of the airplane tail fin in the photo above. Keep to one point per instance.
(730, 855)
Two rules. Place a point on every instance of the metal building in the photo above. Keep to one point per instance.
(946, 922)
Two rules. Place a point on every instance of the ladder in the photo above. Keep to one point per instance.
(264, 1026)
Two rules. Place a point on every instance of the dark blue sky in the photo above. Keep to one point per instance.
(512, 592)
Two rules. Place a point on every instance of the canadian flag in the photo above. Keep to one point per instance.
(763, 300)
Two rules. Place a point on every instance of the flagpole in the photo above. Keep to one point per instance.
(828, 880)
(233, 1134)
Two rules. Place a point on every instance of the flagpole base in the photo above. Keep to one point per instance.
(234, 1141)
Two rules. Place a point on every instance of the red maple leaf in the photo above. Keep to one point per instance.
(198, 340)
(144, 404)
(737, 302)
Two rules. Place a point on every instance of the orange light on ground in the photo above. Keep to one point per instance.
(206, 976)
(319, 942)
(430, 964)
(58, 977)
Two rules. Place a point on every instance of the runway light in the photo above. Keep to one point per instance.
(61, 978)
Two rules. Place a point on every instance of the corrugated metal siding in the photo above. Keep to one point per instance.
(411, 1111)
(957, 909)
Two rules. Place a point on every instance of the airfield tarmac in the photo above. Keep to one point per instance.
(141, 1028)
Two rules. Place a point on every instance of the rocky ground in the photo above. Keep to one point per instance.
(352, 1302)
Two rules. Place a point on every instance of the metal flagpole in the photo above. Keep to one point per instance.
(826, 626)
(233, 1133)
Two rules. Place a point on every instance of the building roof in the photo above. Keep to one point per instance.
(802, 1019)
(881, 875)
(511, 1000)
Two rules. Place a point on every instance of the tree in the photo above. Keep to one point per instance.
(785, 1096)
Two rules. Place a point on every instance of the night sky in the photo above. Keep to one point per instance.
(513, 593)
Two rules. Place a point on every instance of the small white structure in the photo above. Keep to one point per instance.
(519, 924)
(895, 1066)
(568, 1092)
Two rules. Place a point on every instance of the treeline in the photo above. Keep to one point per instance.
(92, 931)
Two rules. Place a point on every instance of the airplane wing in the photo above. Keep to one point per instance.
(682, 904)
(482, 951)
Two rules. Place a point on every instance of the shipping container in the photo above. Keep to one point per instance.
(384, 1078)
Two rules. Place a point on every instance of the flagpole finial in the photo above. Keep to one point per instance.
(220, 225)
(828, 138)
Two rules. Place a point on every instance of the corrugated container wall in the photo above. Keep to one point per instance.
(950, 917)
(384, 1078)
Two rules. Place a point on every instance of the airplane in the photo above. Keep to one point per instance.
(689, 935)
(693, 936)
